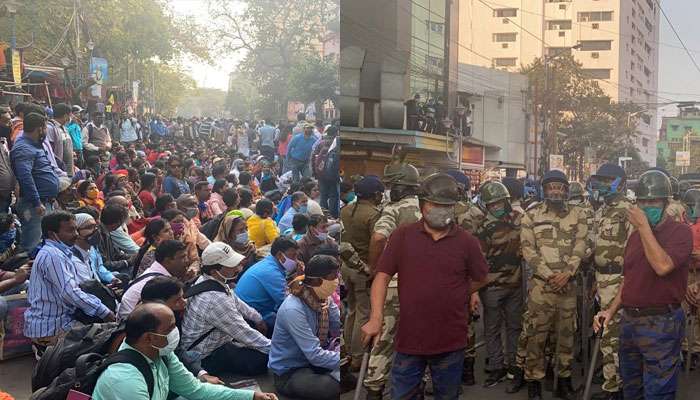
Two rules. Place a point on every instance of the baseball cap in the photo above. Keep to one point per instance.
(221, 253)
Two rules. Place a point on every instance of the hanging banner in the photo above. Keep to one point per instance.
(16, 67)
(556, 161)
(99, 70)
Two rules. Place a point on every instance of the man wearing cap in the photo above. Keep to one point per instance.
(403, 209)
(305, 351)
(214, 328)
(655, 282)
(554, 241)
(299, 153)
(358, 219)
(438, 264)
(612, 231)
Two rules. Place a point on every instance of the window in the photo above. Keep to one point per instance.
(647, 48)
(648, 24)
(645, 142)
(562, 33)
(505, 62)
(595, 16)
(597, 73)
(437, 27)
(553, 51)
(505, 12)
(435, 64)
(559, 25)
(504, 37)
(595, 54)
(674, 127)
(595, 26)
(646, 118)
(562, 6)
(595, 45)
(504, 45)
(647, 71)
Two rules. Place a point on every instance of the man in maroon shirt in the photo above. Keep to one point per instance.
(439, 265)
(655, 281)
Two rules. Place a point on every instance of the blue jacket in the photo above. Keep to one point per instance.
(295, 343)
(263, 287)
(75, 132)
(33, 170)
(300, 147)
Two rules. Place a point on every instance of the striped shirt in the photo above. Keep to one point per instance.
(225, 312)
(54, 294)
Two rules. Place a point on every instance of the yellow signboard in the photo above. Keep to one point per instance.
(16, 67)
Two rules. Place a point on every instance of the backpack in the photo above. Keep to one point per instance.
(84, 339)
(88, 368)
(198, 288)
(211, 227)
(320, 158)
(331, 170)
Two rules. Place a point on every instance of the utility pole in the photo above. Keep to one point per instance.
(76, 12)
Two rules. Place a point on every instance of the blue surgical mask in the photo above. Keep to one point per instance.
(350, 198)
(242, 238)
(289, 264)
(653, 214)
(303, 209)
(322, 236)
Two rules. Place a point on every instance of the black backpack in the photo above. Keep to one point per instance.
(88, 368)
(85, 339)
(211, 227)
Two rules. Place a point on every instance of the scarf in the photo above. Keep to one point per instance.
(297, 288)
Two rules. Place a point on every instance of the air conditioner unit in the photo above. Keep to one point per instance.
(504, 45)
(595, 26)
(595, 55)
(562, 33)
(562, 6)
(506, 21)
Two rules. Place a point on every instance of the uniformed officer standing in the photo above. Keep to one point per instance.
(691, 345)
(358, 220)
(499, 235)
(612, 230)
(553, 241)
(402, 209)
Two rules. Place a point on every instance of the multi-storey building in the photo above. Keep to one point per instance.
(617, 45)
(680, 133)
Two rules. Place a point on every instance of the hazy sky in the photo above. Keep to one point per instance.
(211, 76)
(677, 74)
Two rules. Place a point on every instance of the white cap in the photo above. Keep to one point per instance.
(221, 253)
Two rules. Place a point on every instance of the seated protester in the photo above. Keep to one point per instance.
(8, 237)
(299, 227)
(151, 331)
(316, 236)
(171, 260)
(186, 231)
(230, 197)
(264, 285)
(218, 172)
(87, 258)
(304, 356)
(234, 232)
(310, 188)
(261, 228)
(216, 204)
(120, 235)
(54, 294)
(89, 195)
(156, 232)
(146, 193)
(230, 344)
(268, 179)
(202, 192)
(12, 282)
(299, 205)
(164, 202)
(245, 181)
(245, 197)
(111, 219)
(66, 199)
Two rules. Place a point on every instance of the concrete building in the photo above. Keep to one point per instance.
(618, 44)
(680, 133)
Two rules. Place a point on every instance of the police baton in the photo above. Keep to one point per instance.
(363, 372)
(690, 336)
(594, 361)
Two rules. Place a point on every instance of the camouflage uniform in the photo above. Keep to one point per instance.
(612, 231)
(502, 298)
(402, 212)
(552, 243)
(358, 221)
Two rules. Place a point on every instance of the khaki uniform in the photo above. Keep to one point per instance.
(503, 297)
(612, 231)
(551, 243)
(395, 214)
(358, 221)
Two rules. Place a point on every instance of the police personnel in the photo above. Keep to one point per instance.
(655, 281)
(358, 220)
(612, 230)
(554, 242)
(438, 264)
(502, 299)
(402, 209)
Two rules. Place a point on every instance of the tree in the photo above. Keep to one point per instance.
(171, 86)
(242, 98)
(314, 79)
(582, 118)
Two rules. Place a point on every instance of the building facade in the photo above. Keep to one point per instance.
(680, 133)
(617, 39)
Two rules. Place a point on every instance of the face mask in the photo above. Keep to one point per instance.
(322, 236)
(191, 212)
(691, 215)
(226, 280)
(500, 213)
(92, 194)
(653, 214)
(94, 239)
(289, 264)
(439, 217)
(303, 209)
(178, 228)
(242, 238)
(173, 340)
(326, 289)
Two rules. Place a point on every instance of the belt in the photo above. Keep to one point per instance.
(650, 311)
(609, 269)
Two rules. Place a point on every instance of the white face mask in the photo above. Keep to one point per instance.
(173, 340)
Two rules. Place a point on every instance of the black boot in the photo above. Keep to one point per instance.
(468, 372)
(565, 390)
(374, 394)
(348, 382)
(518, 381)
(534, 390)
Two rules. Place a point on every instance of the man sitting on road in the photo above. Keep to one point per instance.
(215, 327)
(151, 331)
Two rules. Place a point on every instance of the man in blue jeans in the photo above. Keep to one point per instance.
(299, 153)
(38, 181)
(439, 265)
